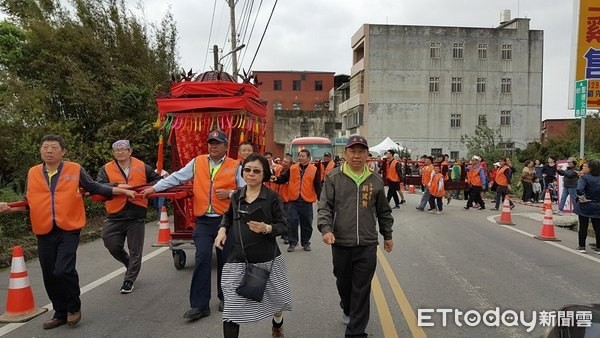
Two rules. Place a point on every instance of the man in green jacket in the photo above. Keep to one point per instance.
(351, 198)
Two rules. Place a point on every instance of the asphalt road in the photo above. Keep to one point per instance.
(460, 260)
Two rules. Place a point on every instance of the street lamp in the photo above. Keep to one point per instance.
(219, 66)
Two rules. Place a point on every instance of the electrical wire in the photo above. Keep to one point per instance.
(209, 35)
(262, 37)
(251, 31)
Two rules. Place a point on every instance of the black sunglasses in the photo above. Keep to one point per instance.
(254, 171)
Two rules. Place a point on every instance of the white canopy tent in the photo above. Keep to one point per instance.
(384, 146)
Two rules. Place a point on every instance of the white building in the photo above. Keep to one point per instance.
(425, 86)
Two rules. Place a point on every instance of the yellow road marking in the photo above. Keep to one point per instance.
(409, 314)
(385, 317)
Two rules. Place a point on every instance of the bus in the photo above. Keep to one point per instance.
(316, 145)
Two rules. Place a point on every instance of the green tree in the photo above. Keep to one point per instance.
(487, 143)
(89, 73)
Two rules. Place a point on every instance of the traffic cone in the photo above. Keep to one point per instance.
(164, 230)
(547, 202)
(20, 306)
(547, 233)
(411, 189)
(505, 217)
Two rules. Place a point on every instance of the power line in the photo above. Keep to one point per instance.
(262, 37)
(251, 31)
(209, 35)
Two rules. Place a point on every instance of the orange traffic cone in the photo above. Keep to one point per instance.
(411, 189)
(20, 306)
(547, 202)
(547, 233)
(505, 217)
(164, 230)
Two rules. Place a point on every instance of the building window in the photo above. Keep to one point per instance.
(457, 51)
(506, 86)
(505, 118)
(482, 120)
(481, 84)
(482, 51)
(277, 106)
(296, 106)
(277, 85)
(457, 84)
(296, 85)
(434, 50)
(454, 155)
(506, 52)
(434, 84)
(318, 85)
(304, 129)
(318, 106)
(508, 147)
(455, 120)
(435, 152)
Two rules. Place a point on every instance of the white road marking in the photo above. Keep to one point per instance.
(13, 326)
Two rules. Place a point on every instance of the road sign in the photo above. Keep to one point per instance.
(581, 98)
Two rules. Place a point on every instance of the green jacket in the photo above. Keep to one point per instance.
(351, 212)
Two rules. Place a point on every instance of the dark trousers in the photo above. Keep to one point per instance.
(353, 268)
(392, 192)
(433, 200)
(300, 213)
(501, 196)
(114, 234)
(57, 253)
(583, 229)
(204, 238)
(527, 191)
(285, 210)
(475, 196)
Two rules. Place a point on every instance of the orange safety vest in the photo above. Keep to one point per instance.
(205, 187)
(328, 168)
(434, 188)
(500, 178)
(473, 176)
(64, 206)
(284, 189)
(276, 169)
(137, 176)
(302, 186)
(426, 175)
(391, 173)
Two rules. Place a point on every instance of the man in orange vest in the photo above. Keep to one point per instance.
(503, 178)
(50, 184)
(215, 177)
(425, 179)
(303, 190)
(126, 217)
(393, 177)
(477, 180)
(327, 165)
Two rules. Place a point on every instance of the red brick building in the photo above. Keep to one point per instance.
(554, 128)
(288, 92)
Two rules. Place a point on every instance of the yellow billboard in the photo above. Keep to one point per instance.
(588, 49)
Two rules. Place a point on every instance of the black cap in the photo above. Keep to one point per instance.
(327, 154)
(357, 139)
(217, 135)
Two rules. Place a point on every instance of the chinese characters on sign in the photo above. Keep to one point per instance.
(581, 98)
(588, 55)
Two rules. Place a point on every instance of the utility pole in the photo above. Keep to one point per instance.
(216, 57)
(233, 38)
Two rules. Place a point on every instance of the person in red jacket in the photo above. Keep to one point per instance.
(126, 217)
(56, 183)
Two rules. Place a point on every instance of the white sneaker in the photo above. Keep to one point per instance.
(345, 319)
(438, 212)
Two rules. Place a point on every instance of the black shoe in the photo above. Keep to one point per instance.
(403, 201)
(494, 209)
(196, 313)
(396, 207)
(431, 209)
(483, 208)
(307, 247)
(291, 248)
(127, 287)
(221, 306)
(466, 208)
(420, 209)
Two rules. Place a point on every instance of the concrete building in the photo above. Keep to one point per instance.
(297, 105)
(426, 86)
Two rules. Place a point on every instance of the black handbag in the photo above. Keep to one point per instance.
(255, 278)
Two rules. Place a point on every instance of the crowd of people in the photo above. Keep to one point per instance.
(224, 192)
